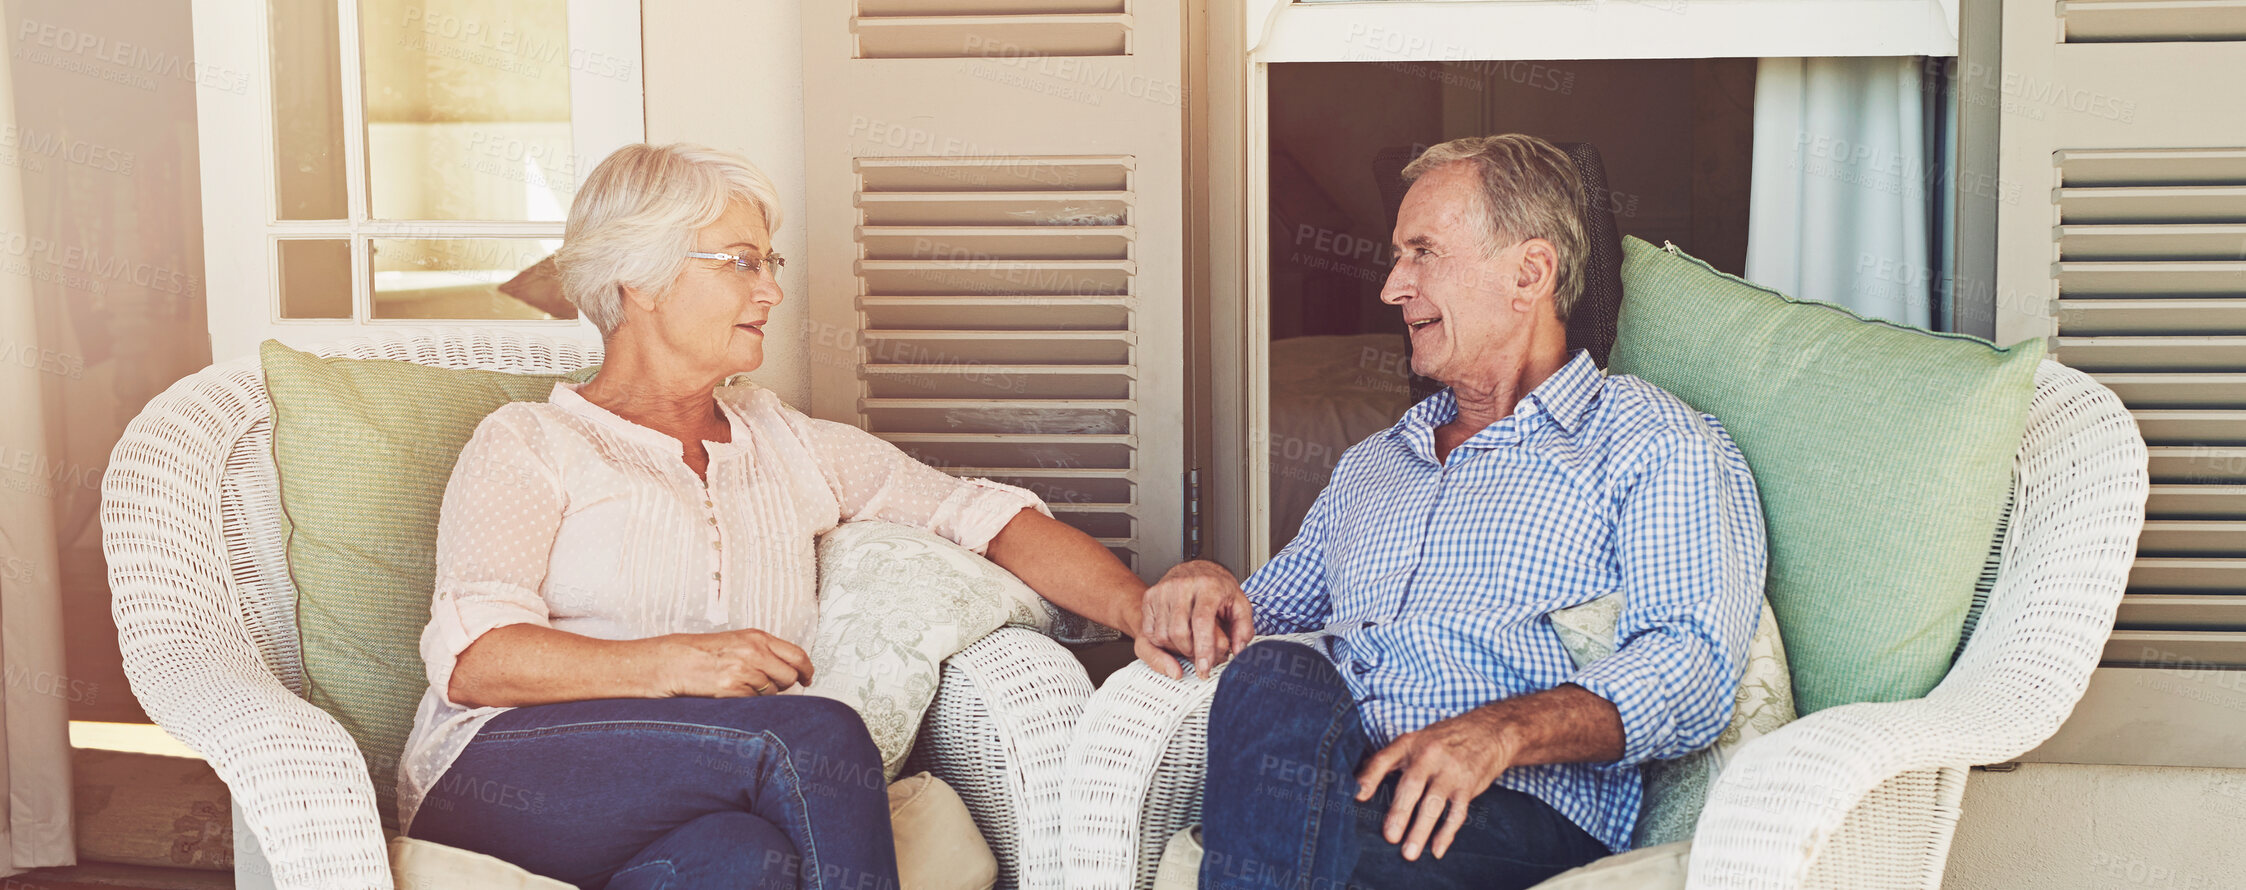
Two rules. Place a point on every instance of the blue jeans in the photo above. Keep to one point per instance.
(768, 792)
(1279, 811)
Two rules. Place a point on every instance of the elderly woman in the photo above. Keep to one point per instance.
(625, 575)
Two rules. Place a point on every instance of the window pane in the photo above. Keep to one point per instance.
(315, 279)
(467, 108)
(307, 110)
(466, 278)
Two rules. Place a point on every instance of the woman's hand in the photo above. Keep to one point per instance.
(731, 664)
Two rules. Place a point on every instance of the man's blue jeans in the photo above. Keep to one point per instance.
(778, 791)
(1279, 810)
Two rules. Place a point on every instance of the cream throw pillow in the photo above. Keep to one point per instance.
(1648, 868)
(894, 602)
(1652, 868)
(1675, 790)
(417, 864)
(938, 848)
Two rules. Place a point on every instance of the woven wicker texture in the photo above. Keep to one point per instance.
(192, 529)
(1856, 796)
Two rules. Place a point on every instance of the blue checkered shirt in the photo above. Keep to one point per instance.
(1434, 579)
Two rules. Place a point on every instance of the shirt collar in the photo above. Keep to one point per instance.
(566, 397)
(1565, 398)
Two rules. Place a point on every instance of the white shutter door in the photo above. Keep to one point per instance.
(997, 270)
(2125, 134)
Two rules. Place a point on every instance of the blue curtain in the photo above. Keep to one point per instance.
(1849, 202)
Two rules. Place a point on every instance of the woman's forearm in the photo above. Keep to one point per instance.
(526, 664)
(1070, 568)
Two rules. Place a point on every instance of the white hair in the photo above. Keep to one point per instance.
(636, 215)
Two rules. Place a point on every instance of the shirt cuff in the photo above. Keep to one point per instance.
(455, 623)
(1639, 692)
(979, 509)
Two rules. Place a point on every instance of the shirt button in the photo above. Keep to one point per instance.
(713, 576)
(708, 504)
(713, 520)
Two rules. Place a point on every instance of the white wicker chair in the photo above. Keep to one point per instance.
(1860, 796)
(205, 612)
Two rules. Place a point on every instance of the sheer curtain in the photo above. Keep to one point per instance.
(34, 712)
(1847, 204)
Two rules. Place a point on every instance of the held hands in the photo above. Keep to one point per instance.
(1197, 610)
(1445, 764)
(730, 664)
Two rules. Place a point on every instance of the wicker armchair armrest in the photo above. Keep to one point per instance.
(998, 734)
(2080, 507)
(296, 777)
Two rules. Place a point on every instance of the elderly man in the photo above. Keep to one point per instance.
(1438, 712)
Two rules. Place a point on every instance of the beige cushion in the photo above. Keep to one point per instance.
(938, 848)
(421, 865)
(1676, 790)
(1181, 861)
(938, 845)
(1649, 868)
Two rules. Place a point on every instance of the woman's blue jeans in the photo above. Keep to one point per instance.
(1280, 812)
(768, 792)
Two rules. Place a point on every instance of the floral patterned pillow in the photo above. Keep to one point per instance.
(894, 602)
(1675, 790)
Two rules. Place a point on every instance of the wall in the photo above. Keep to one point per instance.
(2067, 826)
(729, 74)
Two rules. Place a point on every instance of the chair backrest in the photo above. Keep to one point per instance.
(2063, 554)
(255, 529)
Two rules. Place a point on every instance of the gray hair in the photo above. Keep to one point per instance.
(1529, 190)
(635, 217)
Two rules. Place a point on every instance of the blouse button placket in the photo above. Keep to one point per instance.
(717, 543)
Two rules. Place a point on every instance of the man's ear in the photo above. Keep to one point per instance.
(1537, 274)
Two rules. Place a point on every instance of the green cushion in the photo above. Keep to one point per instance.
(364, 449)
(1883, 454)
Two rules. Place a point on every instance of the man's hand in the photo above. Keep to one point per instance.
(1446, 764)
(1197, 610)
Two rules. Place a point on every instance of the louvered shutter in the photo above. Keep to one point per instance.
(2125, 116)
(995, 193)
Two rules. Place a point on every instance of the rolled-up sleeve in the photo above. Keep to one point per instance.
(1691, 550)
(495, 539)
(873, 479)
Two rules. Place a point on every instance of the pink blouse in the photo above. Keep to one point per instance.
(567, 516)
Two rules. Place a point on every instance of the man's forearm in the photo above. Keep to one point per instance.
(1070, 568)
(1564, 724)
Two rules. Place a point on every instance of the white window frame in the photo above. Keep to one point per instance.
(1262, 32)
(235, 135)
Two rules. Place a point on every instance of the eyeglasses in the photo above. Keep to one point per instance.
(749, 264)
